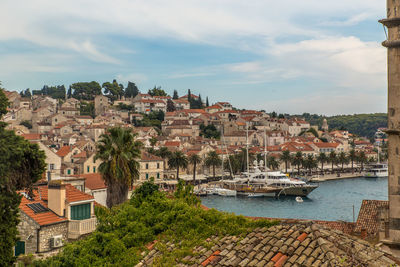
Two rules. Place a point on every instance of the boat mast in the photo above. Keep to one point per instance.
(247, 148)
(222, 169)
(265, 151)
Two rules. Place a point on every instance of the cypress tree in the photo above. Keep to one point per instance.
(175, 96)
(207, 104)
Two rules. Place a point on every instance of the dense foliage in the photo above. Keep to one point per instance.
(87, 108)
(157, 91)
(131, 90)
(209, 131)
(153, 119)
(359, 124)
(85, 90)
(21, 164)
(123, 231)
(113, 90)
(119, 153)
(57, 92)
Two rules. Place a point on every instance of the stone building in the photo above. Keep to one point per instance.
(101, 103)
(151, 166)
(51, 216)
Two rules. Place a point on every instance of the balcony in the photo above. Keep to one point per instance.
(78, 228)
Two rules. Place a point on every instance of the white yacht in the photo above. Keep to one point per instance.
(377, 170)
(277, 179)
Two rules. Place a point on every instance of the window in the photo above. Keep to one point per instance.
(147, 165)
(68, 171)
(80, 212)
(94, 168)
(51, 166)
(88, 168)
(158, 175)
(158, 165)
(147, 176)
(19, 248)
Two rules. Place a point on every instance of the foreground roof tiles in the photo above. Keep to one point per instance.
(368, 217)
(301, 244)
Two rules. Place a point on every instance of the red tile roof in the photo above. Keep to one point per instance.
(368, 217)
(149, 157)
(172, 143)
(326, 145)
(62, 152)
(80, 155)
(71, 194)
(93, 181)
(42, 218)
(31, 136)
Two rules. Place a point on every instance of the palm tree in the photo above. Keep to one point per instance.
(286, 157)
(362, 158)
(119, 153)
(352, 157)
(178, 160)
(164, 153)
(322, 158)
(194, 159)
(298, 161)
(213, 160)
(342, 158)
(272, 163)
(310, 163)
(332, 158)
(233, 164)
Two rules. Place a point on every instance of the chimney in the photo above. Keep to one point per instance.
(392, 23)
(56, 197)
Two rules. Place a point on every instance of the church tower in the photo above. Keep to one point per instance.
(325, 126)
(392, 23)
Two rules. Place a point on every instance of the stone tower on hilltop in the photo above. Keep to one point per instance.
(392, 23)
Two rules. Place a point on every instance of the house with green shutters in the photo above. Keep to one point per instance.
(53, 215)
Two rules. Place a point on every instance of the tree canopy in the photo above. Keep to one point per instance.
(157, 91)
(56, 92)
(131, 90)
(113, 90)
(85, 90)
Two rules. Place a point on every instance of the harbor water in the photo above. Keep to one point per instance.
(331, 201)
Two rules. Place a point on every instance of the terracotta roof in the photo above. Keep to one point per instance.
(63, 151)
(93, 181)
(299, 244)
(42, 218)
(172, 143)
(71, 194)
(31, 136)
(150, 157)
(80, 155)
(326, 145)
(368, 217)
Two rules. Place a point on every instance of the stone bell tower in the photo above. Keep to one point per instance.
(392, 23)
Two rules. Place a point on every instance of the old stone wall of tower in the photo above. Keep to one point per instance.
(392, 23)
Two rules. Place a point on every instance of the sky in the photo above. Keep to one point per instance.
(287, 56)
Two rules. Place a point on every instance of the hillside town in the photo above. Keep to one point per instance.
(62, 205)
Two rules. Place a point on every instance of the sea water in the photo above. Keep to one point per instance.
(332, 200)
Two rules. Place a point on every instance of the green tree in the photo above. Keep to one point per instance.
(69, 93)
(207, 103)
(194, 159)
(272, 163)
(21, 165)
(212, 160)
(27, 124)
(286, 157)
(157, 91)
(322, 158)
(164, 153)
(131, 90)
(178, 160)
(362, 159)
(26, 93)
(87, 108)
(342, 159)
(153, 141)
(297, 160)
(233, 164)
(332, 158)
(170, 106)
(56, 92)
(113, 90)
(209, 131)
(175, 95)
(86, 90)
(310, 163)
(119, 153)
(352, 158)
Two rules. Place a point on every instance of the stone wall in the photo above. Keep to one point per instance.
(47, 232)
(27, 229)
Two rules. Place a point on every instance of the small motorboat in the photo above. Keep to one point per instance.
(299, 199)
(226, 192)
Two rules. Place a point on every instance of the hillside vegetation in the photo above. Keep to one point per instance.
(123, 231)
(359, 124)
